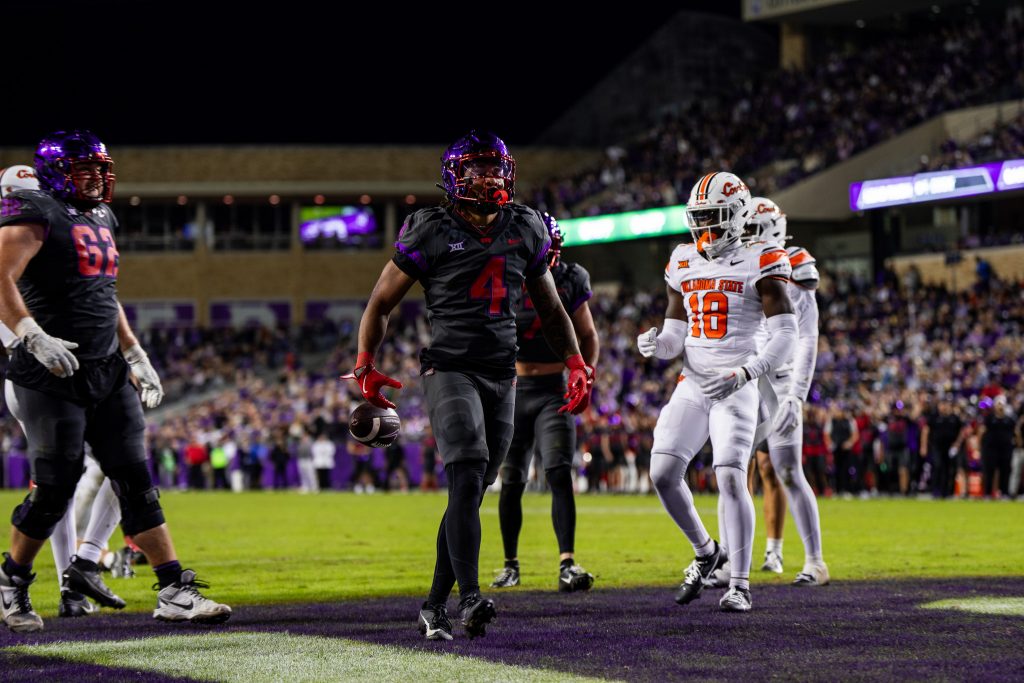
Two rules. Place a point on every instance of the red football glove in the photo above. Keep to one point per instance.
(370, 381)
(581, 380)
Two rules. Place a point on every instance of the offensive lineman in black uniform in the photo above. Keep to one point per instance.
(473, 257)
(68, 381)
(539, 392)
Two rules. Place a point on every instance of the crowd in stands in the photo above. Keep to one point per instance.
(894, 356)
(1004, 141)
(787, 125)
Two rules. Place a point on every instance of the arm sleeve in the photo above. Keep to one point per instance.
(779, 348)
(410, 249)
(806, 355)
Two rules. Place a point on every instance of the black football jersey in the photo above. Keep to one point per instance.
(573, 283)
(70, 285)
(473, 283)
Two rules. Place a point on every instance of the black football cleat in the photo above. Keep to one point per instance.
(699, 571)
(74, 604)
(434, 623)
(83, 576)
(574, 578)
(476, 612)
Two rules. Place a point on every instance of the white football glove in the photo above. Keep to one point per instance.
(722, 382)
(648, 342)
(149, 381)
(788, 417)
(55, 354)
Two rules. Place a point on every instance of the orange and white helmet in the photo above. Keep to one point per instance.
(17, 178)
(717, 213)
(767, 222)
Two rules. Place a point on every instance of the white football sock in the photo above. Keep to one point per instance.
(62, 542)
(739, 519)
(667, 473)
(103, 519)
(723, 531)
(774, 546)
(803, 504)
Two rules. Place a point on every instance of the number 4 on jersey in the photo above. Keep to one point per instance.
(490, 286)
(710, 316)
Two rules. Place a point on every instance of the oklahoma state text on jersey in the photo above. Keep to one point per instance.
(723, 306)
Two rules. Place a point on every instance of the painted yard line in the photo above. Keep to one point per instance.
(998, 606)
(246, 657)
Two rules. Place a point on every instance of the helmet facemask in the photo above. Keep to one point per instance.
(486, 181)
(714, 228)
(75, 166)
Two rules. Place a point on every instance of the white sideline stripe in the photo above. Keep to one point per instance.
(248, 657)
(990, 605)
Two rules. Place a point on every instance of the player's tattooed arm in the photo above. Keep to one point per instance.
(391, 287)
(586, 333)
(18, 244)
(774, 299)
(555, 322)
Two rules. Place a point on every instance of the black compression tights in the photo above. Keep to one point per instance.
(563, 512)
(458, 537)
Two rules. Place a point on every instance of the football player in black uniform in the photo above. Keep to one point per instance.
(539, 391)
(473, 256)
(68, 381)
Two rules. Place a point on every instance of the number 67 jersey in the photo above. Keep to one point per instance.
(70, 285)
(723, 306)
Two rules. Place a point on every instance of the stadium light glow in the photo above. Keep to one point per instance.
(927, 187)
(631, 225)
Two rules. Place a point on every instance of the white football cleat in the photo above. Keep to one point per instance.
(735, 600)
(772, 562)
(182, 601)
(15, 606)
(813, 575)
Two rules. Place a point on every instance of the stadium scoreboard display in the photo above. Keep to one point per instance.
(631, 225)
(1000, 176)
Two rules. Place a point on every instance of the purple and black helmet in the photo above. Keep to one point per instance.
(555, 232)
(475, 150)
(57, 157)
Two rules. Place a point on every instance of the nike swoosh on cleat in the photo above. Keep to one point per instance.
(7, 605)
(180, 604)
(733, 263)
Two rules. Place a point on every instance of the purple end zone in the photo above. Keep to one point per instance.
(848, 631)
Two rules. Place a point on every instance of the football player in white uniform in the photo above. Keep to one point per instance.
(100, 513)
(779, 458)
(720, 293)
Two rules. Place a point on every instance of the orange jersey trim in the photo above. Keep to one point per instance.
(771, 257)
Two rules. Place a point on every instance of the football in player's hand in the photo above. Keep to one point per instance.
(373, 426)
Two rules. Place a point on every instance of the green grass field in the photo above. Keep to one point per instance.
(284, 548)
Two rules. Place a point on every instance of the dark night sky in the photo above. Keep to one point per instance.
(140, 73)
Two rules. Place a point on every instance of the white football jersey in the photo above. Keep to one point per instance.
(789, 377)
(722, 303)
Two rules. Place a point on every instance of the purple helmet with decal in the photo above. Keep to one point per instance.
(555, 233)
(478, 168)
(61, 165)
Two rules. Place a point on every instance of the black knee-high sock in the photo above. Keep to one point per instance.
(462, 522)
(510, 515)
(563, 508)
(444, 576)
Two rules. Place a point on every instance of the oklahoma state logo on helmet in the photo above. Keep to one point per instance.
(729, 189)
